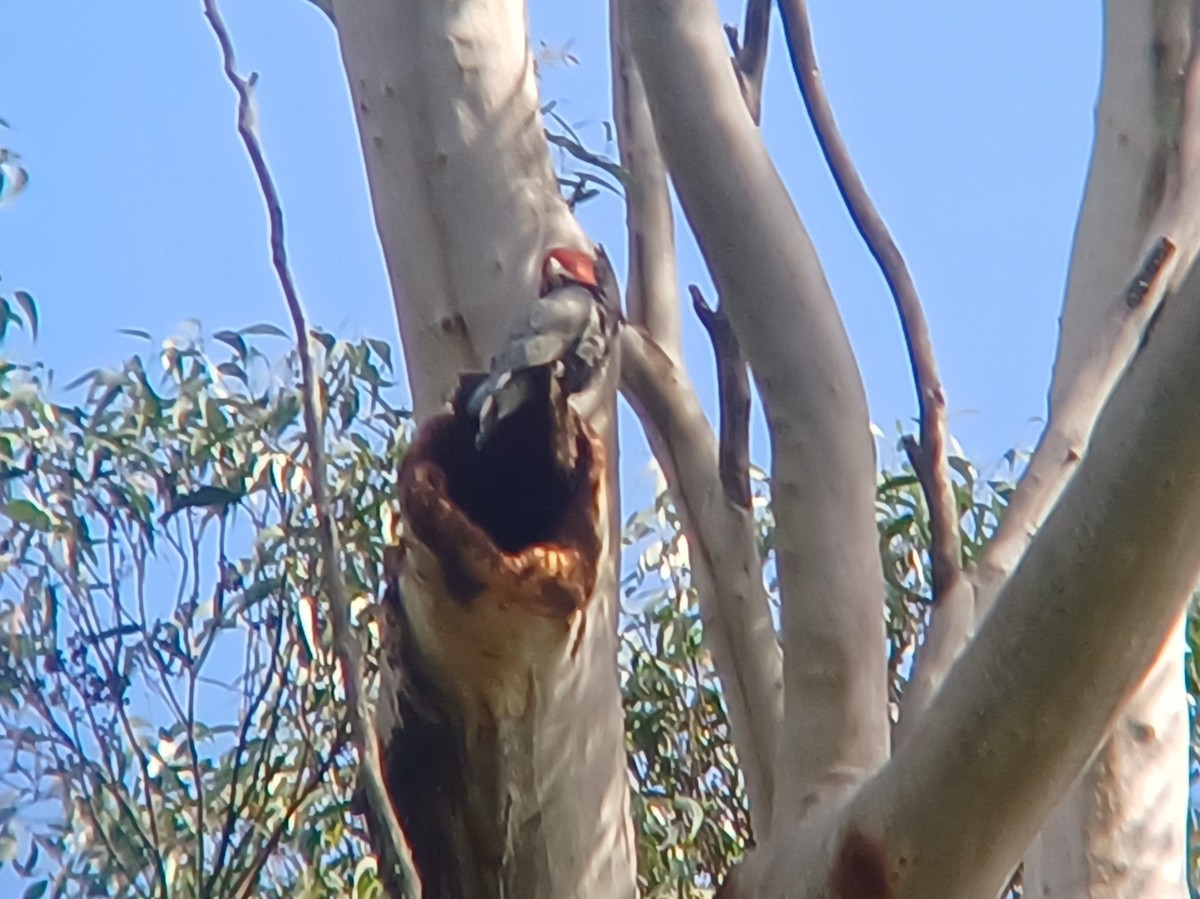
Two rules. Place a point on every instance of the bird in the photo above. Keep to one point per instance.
(568, 333)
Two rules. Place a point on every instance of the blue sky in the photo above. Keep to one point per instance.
(971, 124)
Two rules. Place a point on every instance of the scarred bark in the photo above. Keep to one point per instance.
(499, 709)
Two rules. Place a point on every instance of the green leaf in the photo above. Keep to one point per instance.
(83, 379)
(265, 328)
(215, 498)
(383, 350)
(135, 332)
(233, 370)
(324, 338)
(29, 307)
(37, 890)
(234, 340)
(23, 511)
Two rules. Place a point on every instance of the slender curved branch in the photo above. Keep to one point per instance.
(929, 457)
(395, 858)
(726, 566)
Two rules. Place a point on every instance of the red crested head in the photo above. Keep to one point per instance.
(564, 265)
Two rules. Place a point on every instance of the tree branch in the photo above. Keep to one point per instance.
(733, 382)
(1138, 232)
(1085, 613)
(395, 858)
(772, 286)
(726, 566)
(929, 457)
(1136, 238)
(652, 292)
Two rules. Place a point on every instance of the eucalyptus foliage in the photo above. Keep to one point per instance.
(170, 711)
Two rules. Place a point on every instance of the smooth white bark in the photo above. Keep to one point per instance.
(1121, 831)
(772, 287)
(1070, 637)
(726, 566)
(652, 291)
(465, 198)
(1142, 186)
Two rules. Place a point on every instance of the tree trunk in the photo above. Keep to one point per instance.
(500, 712)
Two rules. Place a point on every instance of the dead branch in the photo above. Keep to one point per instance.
(395, 858)
(733, 384)
(726, 566)
(750, 53)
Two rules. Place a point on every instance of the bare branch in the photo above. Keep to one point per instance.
(929, 456)
(652, 292)
(726, 567)
(823, 468)
(750, 54)
(395, 858)
(733, 382)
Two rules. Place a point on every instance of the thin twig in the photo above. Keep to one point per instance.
(395, 857)
(946, 546)
(750, 54)
(733, 385)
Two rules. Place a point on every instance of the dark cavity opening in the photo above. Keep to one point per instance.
(513, 487)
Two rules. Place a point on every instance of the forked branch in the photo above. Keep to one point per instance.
(395, 858)
(750, 53)
(772, 286)
(727, 568)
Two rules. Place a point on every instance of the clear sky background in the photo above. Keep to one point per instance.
(970, 122)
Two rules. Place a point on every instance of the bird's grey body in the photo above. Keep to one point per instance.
(569, 328)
